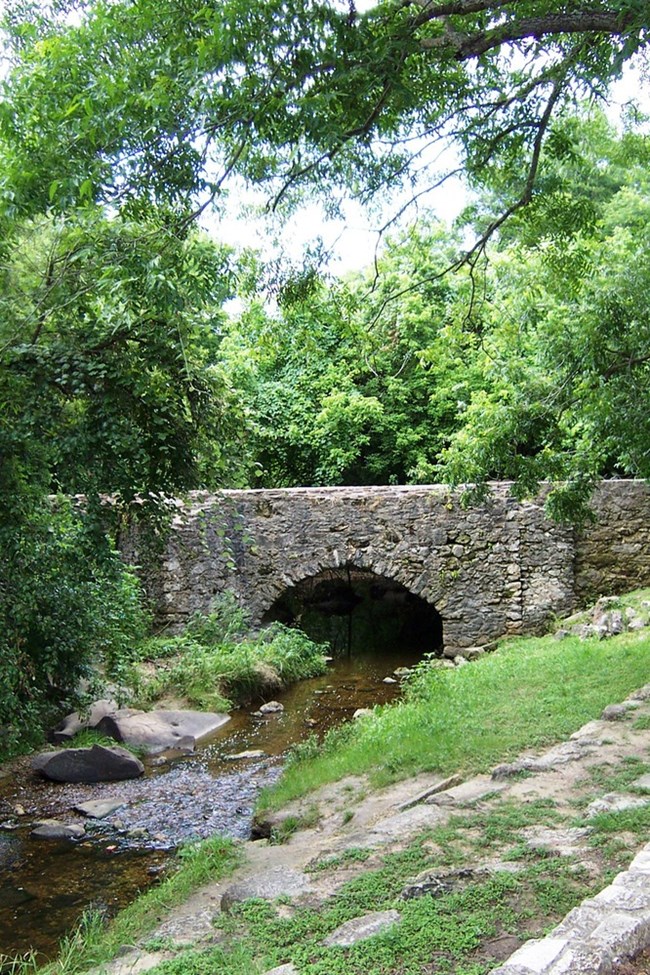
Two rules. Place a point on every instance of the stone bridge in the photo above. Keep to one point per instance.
(502, 567)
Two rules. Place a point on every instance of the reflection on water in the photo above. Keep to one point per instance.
(45, 885)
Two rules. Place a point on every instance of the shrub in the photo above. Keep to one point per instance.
(217, 660)
(68, 605)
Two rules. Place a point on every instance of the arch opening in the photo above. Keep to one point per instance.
(357, 612)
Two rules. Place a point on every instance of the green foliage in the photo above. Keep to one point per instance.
(68, 605)
(119, 373)
(351, 386)
(566, 374)
(449, 932)
(110, 381)
(137, 107)
(531, 367)
(109, 385)
(218, 660)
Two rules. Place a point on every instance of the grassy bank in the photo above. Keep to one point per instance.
(529, 693)
(219, 661)
(95, 942)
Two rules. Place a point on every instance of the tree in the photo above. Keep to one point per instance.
(531, 366)
(566, 328)
(110, 383)
(109, 335)
(347, 383)
(134, 104)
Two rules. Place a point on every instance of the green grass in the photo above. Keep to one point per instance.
(443, 934)
(528, 694)
(610, 778)
(354, 854)
(213, 676)
(88, 737)
(95, 942)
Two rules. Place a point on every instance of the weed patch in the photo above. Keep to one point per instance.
(450, 933)
(353, 855)
(218, 660)
(628, 821)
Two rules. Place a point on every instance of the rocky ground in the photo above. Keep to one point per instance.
(569, 819)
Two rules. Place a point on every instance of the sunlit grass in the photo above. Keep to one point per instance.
(528, 694)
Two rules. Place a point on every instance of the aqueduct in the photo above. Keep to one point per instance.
(501, 567)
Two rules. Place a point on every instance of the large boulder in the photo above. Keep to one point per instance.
(80, 720)
(96, 764)
(157, 731)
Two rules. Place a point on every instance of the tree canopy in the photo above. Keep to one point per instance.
(531, 367)
(135, 104)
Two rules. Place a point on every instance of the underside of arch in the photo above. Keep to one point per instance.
(356, 610)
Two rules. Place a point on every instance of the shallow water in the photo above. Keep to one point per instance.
(45, 885)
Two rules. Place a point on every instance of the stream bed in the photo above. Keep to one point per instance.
(45, 885)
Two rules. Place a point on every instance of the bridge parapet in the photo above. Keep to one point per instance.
(500, 567)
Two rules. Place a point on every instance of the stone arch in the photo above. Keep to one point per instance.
(350, 605)
(355, 559)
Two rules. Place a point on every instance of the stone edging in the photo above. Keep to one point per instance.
(598, 934)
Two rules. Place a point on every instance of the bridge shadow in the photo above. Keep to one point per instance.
(357, 612)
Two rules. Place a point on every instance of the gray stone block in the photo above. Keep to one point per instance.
(361, 928)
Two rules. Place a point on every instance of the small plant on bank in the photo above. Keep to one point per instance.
(219, 661)
(292, 824)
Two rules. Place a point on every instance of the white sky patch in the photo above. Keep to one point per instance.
(351, 241)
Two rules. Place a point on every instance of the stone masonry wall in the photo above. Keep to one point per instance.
(501, 567)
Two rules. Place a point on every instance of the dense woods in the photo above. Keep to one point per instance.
(511, 345)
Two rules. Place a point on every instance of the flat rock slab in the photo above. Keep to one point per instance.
(58, 831)
(96, 764)
(361, 928)
(643, 782)
(568, 751)
(407, 822)
(561, 842)
(283, 970)
(132, 963)
(99, 808)
(272, 883)
(615, 802)
(468, 792)
(157, 731)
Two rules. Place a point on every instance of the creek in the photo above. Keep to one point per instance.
(45, 885)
